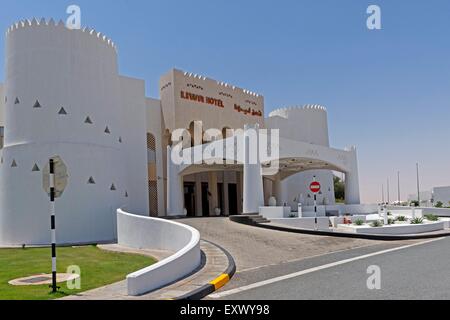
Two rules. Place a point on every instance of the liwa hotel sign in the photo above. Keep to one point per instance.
(218, 103)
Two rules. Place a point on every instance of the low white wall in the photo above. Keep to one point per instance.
(150, 233)
(275, 212)
(396, 229)
(342, 209)
(305, 223)
(441, 212)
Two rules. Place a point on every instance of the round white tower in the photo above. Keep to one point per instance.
(308, 124)
(62, 100)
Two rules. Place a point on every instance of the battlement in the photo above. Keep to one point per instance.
(283, 112)
(220, 83)
(33, 23)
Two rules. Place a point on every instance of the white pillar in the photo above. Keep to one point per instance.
(175, 194)
(212, 188)
(352, 195)
(226, 202)
(278, 188)
(198, 195)
(253, 182)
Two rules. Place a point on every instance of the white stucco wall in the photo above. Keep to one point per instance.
(441, 194)
(76, 70)
(134, 135)
(155, 126)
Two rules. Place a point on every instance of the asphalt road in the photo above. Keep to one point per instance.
(416, 270)
(262, 255)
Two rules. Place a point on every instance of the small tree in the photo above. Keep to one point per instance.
(439, 204)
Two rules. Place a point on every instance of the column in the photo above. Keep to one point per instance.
(279, 191)
(253, 184)
(175, 194)
(213, 190)
(198, 195)
(352, 195)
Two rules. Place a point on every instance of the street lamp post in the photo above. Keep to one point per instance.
(388, 191)
(418, 183)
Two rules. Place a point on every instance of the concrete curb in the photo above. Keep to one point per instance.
(215, 284)
(244, 220)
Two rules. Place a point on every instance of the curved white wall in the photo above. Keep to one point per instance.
(75, 70)
(151, 233)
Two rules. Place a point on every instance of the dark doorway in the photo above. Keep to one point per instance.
(205, 199)
(232, 199)
(189, 198)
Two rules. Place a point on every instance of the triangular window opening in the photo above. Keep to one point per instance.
(113, 187)
(17, 101)
(91, 180)
(36, 168)
(62, 112)
(88, 120)
(107, 130)
(14, 164)
(37, 105)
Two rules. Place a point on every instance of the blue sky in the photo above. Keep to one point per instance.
(387, 91)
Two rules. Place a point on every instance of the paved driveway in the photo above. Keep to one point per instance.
(254, 248)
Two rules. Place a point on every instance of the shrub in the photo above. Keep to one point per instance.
(401, 218)
(439, 204)
(359, 222)
(376, 224)
(431, 217)
(391, 221)
(417, 221)
(389, 214)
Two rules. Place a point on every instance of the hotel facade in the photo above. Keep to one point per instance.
(63, 96)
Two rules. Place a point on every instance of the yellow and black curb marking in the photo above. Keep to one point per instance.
(215, 284)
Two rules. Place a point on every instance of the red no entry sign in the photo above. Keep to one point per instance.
(315, 187)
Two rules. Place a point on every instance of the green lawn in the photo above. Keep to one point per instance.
(98, 268)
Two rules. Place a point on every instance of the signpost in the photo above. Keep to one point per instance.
(54, 181)
(315, 187)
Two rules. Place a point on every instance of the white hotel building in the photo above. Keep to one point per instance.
(63, 96)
